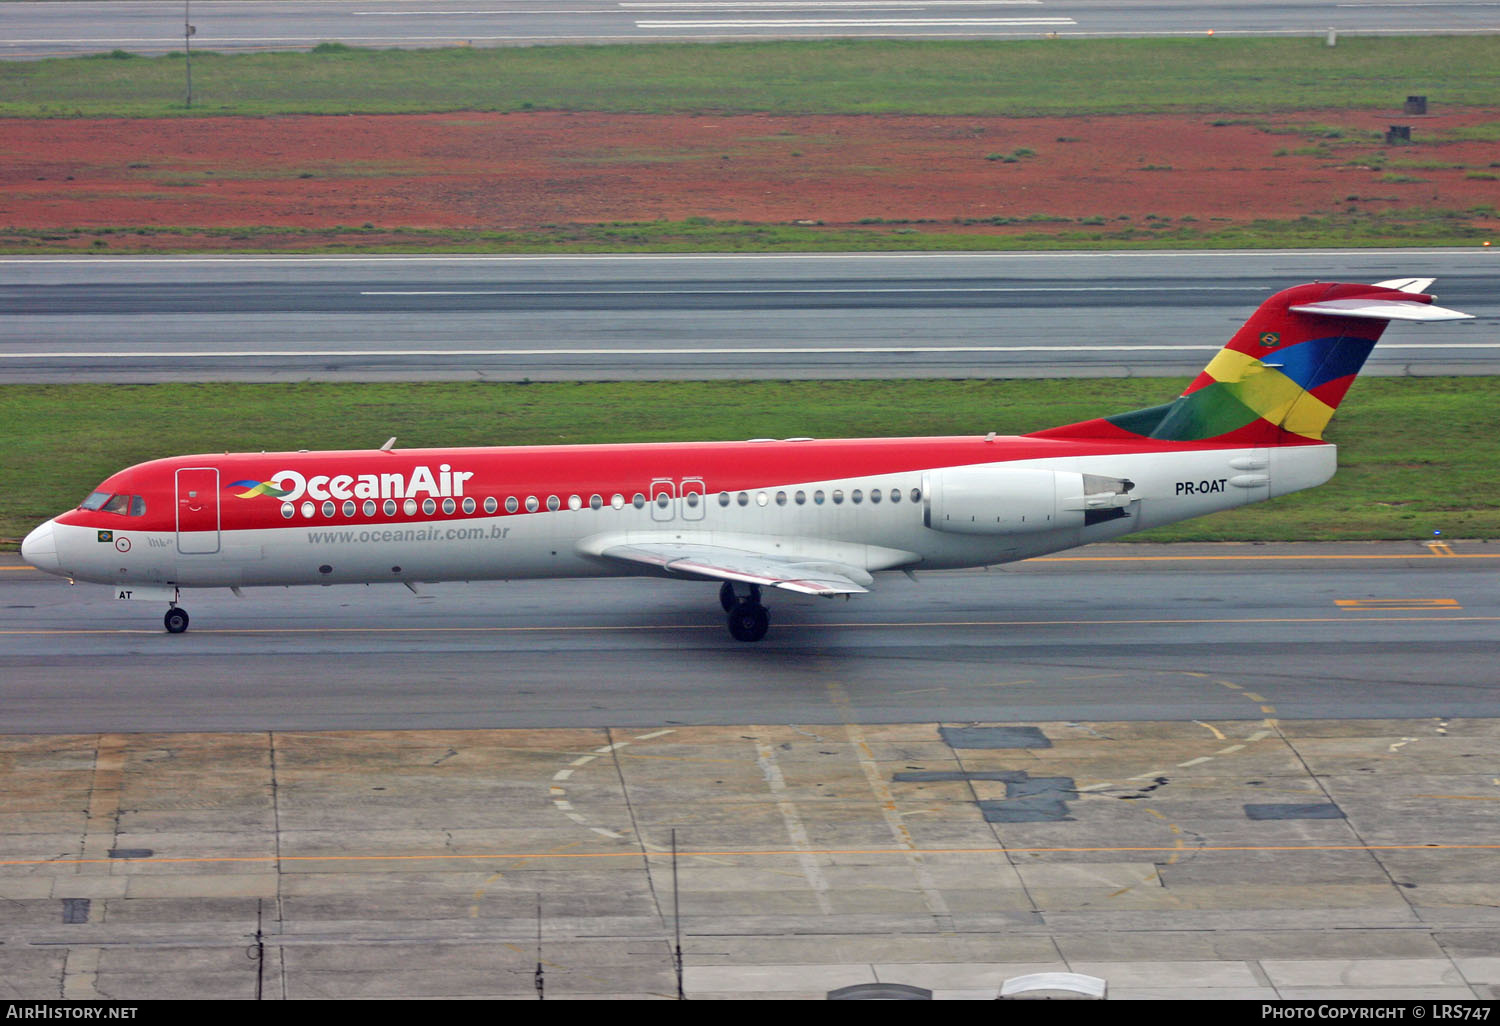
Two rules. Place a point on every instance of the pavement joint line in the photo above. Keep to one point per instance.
(559, 793)
(932, 895)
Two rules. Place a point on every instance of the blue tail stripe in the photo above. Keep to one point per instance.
(1321, 360)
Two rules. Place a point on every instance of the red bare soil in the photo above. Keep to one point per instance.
(527, 170)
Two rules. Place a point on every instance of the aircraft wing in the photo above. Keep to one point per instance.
(808, 576)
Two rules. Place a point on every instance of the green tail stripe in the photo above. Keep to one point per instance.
(1207, 413)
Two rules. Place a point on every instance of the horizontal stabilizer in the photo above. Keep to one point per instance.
(1381, 310)
(1417, 286)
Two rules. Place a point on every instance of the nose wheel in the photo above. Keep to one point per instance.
(176, 620)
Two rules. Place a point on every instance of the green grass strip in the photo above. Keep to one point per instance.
(1036, 77)
(1418, 454)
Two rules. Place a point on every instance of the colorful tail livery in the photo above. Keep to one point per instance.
(1283, 374)
(804, 516)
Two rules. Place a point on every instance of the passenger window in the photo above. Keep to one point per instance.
(288, 510)
(468, 505)
(663, 500)
(574, 502)
(855, 496)
(553, 503)
(532, 505)
(349, 507)
(389, 507)
(369, 507)
(596, 502)
(781, 498)
(818, 497)
(801, 498)
(429, 506)
(329, 508)
(875, 495)
(838, 496)
(308, 509)
(692, 500)
(743, 499)
(761, 498)
(511, 505)
(409, 507)
(723, 498)
(916, 495)
(639, 501)
(449, 506)
(617, 501)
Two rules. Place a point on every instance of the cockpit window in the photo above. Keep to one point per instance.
(124, 505)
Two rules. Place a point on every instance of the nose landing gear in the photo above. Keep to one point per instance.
(176, 620)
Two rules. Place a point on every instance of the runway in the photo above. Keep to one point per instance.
(45, 29)
(146, 319)
(1113, 633)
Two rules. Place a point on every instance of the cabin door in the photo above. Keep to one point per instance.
(197, 511)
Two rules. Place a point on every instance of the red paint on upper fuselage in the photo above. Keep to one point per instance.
(566, 470)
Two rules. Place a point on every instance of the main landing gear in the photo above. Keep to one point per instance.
(747, 617)
(176, 620)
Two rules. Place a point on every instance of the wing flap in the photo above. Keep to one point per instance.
(721, 563)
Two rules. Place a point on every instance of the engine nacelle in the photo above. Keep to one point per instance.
(1014, 500)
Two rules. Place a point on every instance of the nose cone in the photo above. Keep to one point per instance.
(40, 549)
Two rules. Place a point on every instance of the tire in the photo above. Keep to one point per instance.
(748, 622)
(176, 620)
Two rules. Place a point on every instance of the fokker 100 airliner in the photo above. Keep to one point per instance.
(803, 515)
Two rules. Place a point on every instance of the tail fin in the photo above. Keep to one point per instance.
(1282, 375)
